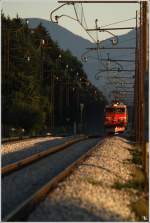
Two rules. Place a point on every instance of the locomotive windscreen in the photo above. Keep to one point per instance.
(116, 110)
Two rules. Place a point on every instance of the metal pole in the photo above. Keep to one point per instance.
(41, 60)
(144, 47)
(8, 43)
(135, 124)
(138, 83)
(141, 76)
(53, 101)
(139, 79)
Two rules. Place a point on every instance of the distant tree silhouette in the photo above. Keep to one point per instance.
(42, 85)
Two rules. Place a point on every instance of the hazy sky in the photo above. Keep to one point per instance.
(105, 13)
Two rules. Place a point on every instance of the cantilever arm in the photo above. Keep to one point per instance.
(113, 35)
(51, 14)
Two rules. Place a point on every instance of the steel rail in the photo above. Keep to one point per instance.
(35, 157)
(25, 208)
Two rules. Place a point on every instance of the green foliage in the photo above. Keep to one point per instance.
(134, 184)
(137, 182)
(141, 209)
(137, 157)
(34, 79)
(93, 181)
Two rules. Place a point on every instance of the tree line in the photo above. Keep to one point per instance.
(43, 87)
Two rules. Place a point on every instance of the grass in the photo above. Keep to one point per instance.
(137, 182)
(141, 209)
(93, 181)
(137, 157)
(133, 184)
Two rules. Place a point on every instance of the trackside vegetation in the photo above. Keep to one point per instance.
(43, 86)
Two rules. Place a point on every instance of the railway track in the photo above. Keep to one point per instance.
(24, 188)
(14, 152)
(33, 158)
(28, 138)
(16, 139)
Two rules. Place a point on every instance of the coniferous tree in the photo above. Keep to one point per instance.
(41, 83)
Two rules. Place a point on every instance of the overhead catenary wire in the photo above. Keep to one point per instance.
(80, 18)
(84, 16)
(118, 22)
(84, 26)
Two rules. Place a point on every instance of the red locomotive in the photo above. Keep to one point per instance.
(116, 117)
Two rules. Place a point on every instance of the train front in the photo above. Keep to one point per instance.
(116, 118)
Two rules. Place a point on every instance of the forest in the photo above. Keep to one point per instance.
(43, 88)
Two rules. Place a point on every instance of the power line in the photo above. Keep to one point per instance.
(93, 1)
(112, 48)
(114, 28)
(118, 22)
(111, 60)
(117, 70)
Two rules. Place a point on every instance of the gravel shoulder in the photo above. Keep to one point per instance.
(12, 152)
(89, 193)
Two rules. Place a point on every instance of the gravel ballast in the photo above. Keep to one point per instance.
(88, 194)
